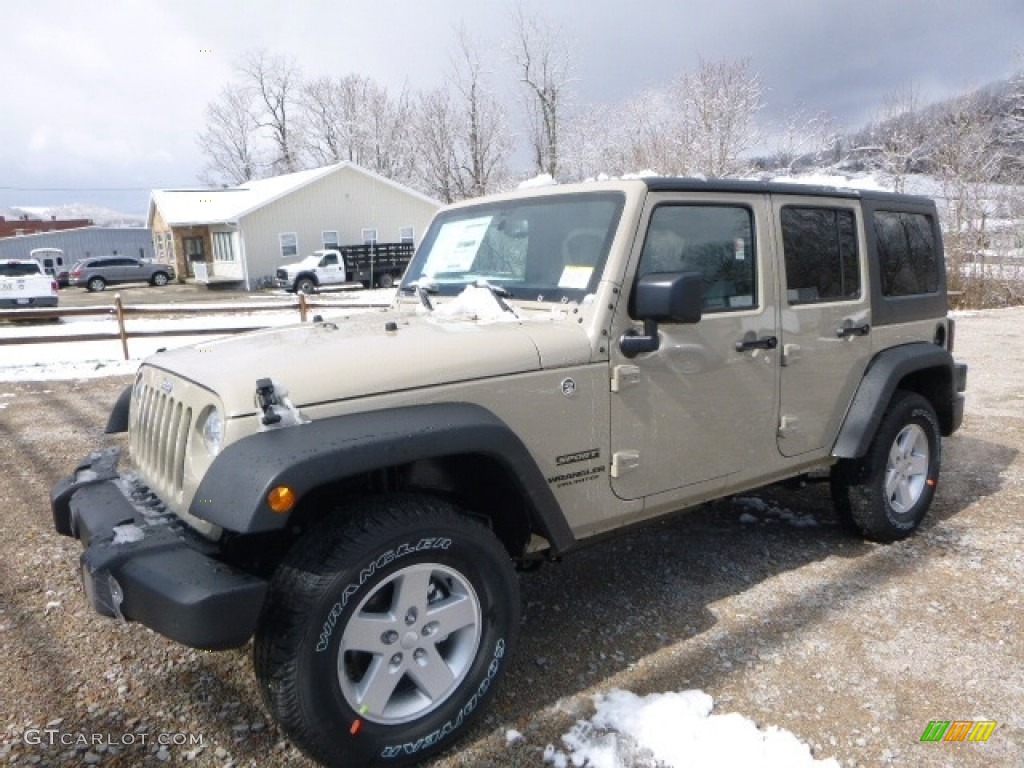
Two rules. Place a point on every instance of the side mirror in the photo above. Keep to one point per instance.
(662, 297)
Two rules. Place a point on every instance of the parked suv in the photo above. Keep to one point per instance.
(98, 272)
(559, 363)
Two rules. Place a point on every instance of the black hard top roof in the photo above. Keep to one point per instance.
(686, 184)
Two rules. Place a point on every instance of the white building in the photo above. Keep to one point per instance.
(242, 234)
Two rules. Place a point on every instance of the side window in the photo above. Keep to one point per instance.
(329, 260)
(289, 245)
(820, 246)
(908, 259)
(715, 240)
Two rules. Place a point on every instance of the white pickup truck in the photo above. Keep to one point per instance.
(23, 284)
(326, 267)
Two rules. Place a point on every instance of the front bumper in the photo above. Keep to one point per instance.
(141, 563)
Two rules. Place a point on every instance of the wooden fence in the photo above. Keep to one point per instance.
(119, 312)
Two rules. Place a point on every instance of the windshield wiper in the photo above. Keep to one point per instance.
(422, 287)
(499, 294)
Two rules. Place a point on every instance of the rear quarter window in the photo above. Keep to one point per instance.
(908, 256)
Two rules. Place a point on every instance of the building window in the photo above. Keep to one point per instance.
(289, 245)
(223, 246)
(169, 240)
(369, 237)
(330, 237)
(405, 235)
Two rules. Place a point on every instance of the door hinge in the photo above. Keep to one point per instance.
(624, 461)
(788, 425)
(624, 376)
(790, 353)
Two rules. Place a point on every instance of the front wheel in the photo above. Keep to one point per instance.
(385, 631)
(160, 279)
(886, 494)
(305, 285)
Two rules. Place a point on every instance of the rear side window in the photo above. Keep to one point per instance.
(907, 253)
(715, 240)
(820, 246)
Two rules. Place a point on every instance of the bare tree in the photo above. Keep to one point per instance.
(229, 140)
(900, 136)
(275, 81)
(436, 135)
(805, 137)
(486, 140)
(720, 102)
(542, 57)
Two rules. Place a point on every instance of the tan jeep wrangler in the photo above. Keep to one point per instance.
(558, 363)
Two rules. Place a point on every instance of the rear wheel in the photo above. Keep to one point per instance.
(386, 280)
(96, 284)
(385, 631)
(886, 495)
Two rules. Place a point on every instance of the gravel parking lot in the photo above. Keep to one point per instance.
(762, 602)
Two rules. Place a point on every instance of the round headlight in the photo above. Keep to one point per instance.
(212, 430)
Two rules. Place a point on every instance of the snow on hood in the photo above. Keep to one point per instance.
(358, 356)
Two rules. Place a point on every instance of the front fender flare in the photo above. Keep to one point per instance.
(233, 492)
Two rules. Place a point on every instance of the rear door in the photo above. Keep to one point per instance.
(703, 407)
(826, 319)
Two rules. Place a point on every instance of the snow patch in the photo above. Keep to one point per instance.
(673, 730)
(127, 533)
(474, 303)
(540, 180)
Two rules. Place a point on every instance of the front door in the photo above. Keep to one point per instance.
(193, 252)
(703, 407)
(826, 322)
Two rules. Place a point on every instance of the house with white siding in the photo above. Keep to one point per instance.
(240, 235)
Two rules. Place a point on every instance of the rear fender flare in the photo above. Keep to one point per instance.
(883, 376)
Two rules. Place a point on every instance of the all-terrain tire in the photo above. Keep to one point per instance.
(385, 631)
(886, 495)
(305, 285)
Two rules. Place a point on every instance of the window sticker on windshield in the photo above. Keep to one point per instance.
(739, 248)
(456, 246)
(575, 277)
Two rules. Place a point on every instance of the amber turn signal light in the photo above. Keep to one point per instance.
(281, 498)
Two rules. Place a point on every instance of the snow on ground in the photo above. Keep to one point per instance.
(89, 359)
(673, 730)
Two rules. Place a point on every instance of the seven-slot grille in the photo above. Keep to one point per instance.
(159, 438)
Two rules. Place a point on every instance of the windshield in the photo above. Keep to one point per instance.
(19, 269)
(539, 248)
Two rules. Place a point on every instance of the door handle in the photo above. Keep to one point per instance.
(853, 330)
(766, 342)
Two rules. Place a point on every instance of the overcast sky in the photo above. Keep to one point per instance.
(101, 102)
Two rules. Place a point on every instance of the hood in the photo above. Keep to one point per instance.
(306, 263)
(346, 358)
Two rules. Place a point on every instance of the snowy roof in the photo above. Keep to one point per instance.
(182, 207)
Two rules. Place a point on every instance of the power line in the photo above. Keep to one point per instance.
(82, 189)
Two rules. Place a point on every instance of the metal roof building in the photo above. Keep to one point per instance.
(81, 243)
